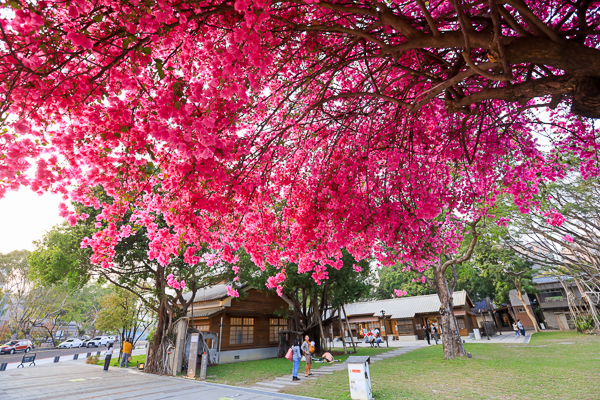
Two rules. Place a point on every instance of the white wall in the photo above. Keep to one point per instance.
(247, 355)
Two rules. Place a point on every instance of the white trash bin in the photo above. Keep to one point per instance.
(360, 377)
(477, 334)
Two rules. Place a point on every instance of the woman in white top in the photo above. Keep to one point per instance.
(109, 353)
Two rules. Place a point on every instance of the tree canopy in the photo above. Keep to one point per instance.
(292, 128)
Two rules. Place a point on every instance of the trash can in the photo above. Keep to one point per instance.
(477, 334)
(360, 377)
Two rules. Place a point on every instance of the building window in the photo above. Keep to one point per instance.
(241, 331)
(404, 326)
(551, 295)
(521, 310)
(461, 323)
(276, 325)
(203, 328)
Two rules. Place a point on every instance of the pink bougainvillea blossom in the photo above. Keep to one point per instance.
(568, 238)
(232, 292)
(269, 126)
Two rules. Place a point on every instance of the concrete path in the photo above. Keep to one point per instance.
(76, 381)
(283, 382)
(505, 338)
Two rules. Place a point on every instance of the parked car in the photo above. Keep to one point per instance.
(70, 343)
(85, 338)
(98, 341)
(16, 345)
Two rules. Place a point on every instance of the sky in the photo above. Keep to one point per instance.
(25, 217)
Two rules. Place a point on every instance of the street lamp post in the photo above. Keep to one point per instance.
(384, 328)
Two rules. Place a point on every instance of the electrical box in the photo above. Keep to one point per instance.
(360, 377)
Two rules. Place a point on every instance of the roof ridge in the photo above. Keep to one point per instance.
(404, 298)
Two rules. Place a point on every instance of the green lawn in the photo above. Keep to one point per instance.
(555, 365)
(114, 361)
(247, 373)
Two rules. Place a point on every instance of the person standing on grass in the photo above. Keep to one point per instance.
(435, 333)
(296, 356)
(127, 346)
(516, 328)
(521, 327)
(306, 347)
(108, 356)
(426, 332)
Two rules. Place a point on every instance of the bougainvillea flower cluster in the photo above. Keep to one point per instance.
(294, 129)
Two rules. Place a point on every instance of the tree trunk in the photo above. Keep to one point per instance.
(451, 339)
(528, 310)
(283, 344)
(590, 303)
(317, 315)
(342, 333)
(157, 355)
(349, 330)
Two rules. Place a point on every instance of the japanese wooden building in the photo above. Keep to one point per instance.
(247, 327)
(404, 318)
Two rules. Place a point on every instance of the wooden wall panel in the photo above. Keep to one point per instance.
(256, 304)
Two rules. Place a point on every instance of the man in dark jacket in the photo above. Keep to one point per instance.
(426, 332)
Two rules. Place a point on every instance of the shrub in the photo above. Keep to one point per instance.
(584, 323)
(92, 359)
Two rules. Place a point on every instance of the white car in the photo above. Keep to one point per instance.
(98, 341)
(70, 343)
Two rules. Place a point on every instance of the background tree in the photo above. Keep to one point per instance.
(123, 312)
(565, 240)
(394, 278)
(60, 257)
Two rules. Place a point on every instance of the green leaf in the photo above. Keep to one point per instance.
(98, 18)
(146, 50)
(177, 105)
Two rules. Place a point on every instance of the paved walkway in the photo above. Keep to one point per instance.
(505, 338)
(76, 381)
(283, 382)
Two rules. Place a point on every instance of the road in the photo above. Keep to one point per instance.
(43, 353)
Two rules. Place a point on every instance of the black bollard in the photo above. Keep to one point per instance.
(75, 356)
(56, 359)
(3, 367)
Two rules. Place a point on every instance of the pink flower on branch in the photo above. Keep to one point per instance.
(232, 292)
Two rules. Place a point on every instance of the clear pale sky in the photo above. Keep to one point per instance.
(24, 217)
